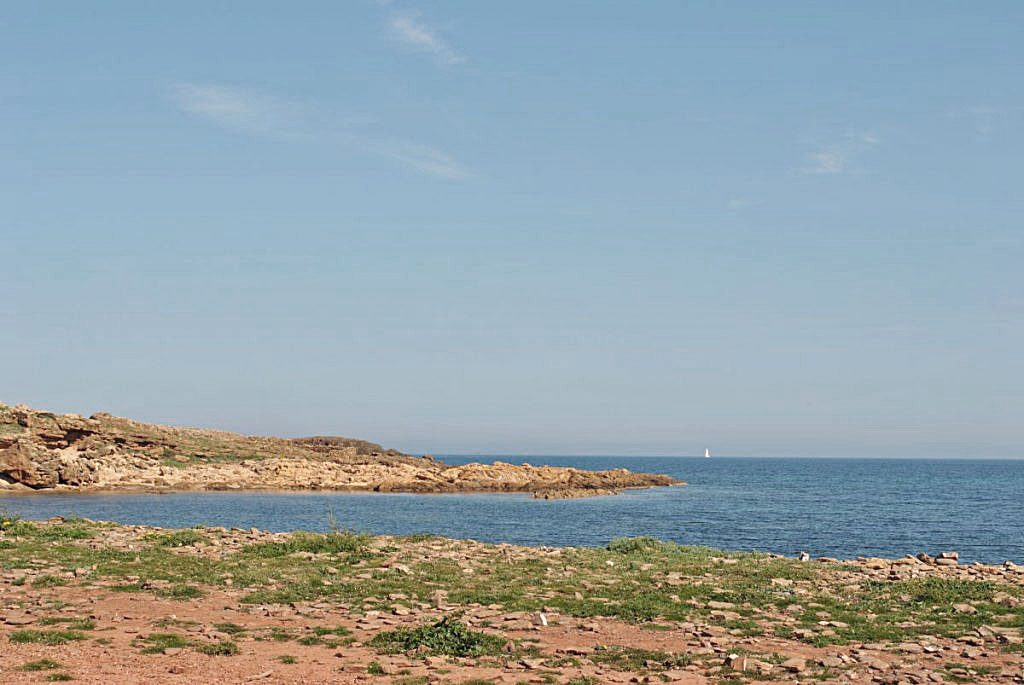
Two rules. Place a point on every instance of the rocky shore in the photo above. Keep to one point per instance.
(45, 451)
(102, 603)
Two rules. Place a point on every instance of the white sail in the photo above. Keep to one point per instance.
(707, 453)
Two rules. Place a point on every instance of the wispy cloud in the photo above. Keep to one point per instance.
(267, 116)
(239, 109)
(826, 162)
(838, 157)
(987, 119)
(410, 30)
(422, 158)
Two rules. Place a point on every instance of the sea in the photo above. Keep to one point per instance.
(840, 508)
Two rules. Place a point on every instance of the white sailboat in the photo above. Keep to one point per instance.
(707, 453)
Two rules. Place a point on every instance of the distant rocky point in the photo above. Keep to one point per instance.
(41, 450)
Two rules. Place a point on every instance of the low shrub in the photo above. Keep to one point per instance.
(447, 637)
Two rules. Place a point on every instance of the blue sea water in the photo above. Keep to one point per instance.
(830, 507)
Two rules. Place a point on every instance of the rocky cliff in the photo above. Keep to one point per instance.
(44, 451)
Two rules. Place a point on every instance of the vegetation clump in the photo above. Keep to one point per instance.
(48, 580)
(71, 529)
(180, 592)
(177, 538)
(40, 665)
(642, 543)
(71, 622)
(8, 521)
(230, 628)
(156, 643)
(447, 637)
(46, 637)
(634, 659)
(221, 648)
(342, 542)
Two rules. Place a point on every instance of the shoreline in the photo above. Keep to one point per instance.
(136, 489)
(893, 558)
(946, 559)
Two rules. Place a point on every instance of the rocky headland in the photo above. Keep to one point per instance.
(41, 451)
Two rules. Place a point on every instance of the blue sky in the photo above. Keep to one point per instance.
(534, 227)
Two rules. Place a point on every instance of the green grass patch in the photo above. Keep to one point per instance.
(71, 622)
(412, 680)
(221, 648)
(447, 637)
(40, 665)
(419, 537)
(639, 660)
(278, 634)
(128, 587)
(636, 545)
(312, 543)
(936, 591)
(178, 538)
(71, 529)
(340, 631)
(49, 581)
(180, 592)
(174, 623)
(46, 637)
(156, 643)
(230, 628)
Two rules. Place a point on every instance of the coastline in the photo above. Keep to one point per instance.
(171, 604)
(138, 489)
(43, 451)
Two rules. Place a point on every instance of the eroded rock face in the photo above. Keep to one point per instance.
(23, 463)
(41, 450)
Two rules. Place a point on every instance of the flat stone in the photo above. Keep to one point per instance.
(19, 620)
(794, 665)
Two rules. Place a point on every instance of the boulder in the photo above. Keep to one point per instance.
(23, 463)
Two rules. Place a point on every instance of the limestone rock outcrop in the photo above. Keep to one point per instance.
(45, 451)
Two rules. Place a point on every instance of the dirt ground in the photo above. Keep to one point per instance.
(122, 619)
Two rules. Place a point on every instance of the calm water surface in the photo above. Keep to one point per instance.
(832, 507)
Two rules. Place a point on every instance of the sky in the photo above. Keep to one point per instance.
(784, 229)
